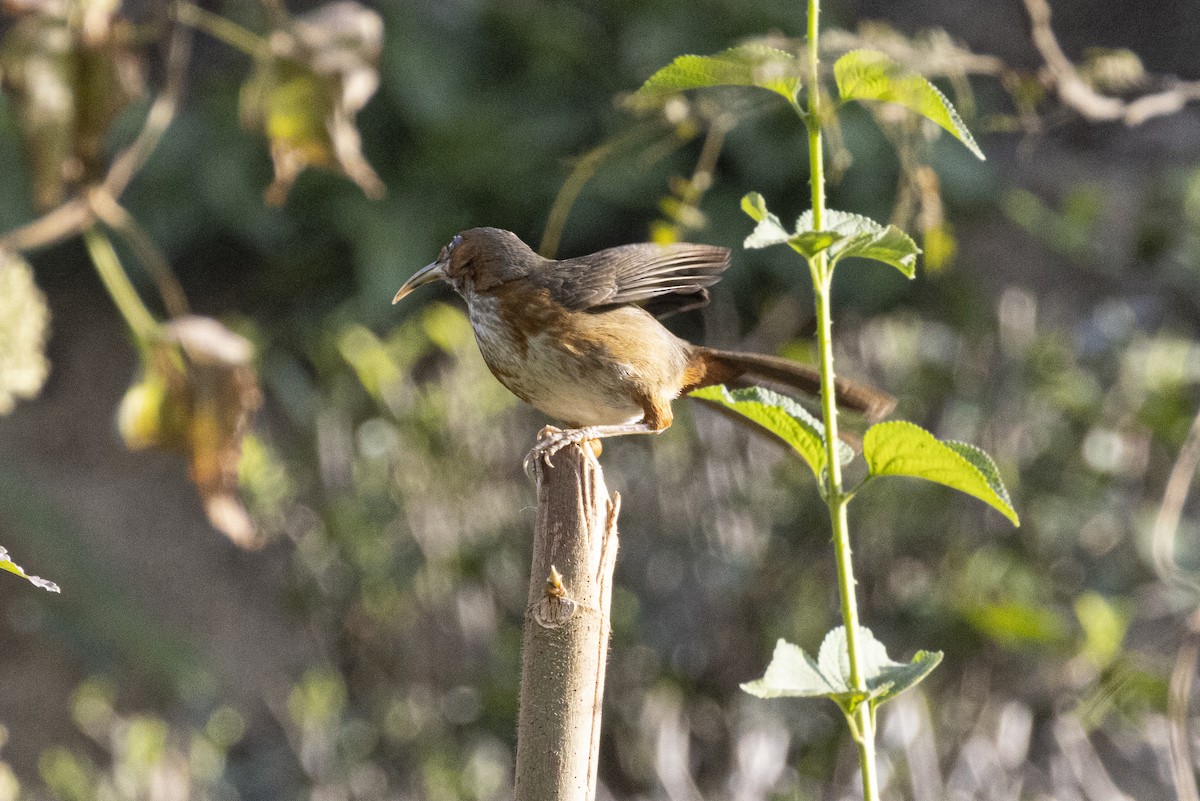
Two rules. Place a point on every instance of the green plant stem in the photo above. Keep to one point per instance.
(863, 724)
(223, 30)
(119, 287)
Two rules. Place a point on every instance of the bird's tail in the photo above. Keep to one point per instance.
(709, 366)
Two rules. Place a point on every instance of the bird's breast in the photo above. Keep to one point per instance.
(579, 368)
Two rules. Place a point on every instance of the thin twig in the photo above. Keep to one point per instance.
(1079, 95)
(108, 265)
(585, 167)
(158, 119)
(277, 11)
(76, 215)
(223, 30)
(114, 215)
(54, 226)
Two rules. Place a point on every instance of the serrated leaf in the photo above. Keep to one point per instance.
(781, 416)
(842, 234)
(885, 678)
(8, 565)
(833, 658)
(871, 75)
(900, 676)
(984, 464)
(755, 65)
(793, 673)
(810, 243)
(890, 246)
(900, 448)
(853, 235)
(769, 231)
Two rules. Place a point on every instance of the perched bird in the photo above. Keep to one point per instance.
(578, 339)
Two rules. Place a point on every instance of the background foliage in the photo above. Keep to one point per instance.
(370, 650)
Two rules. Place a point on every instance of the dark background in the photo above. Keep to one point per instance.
(371, 650)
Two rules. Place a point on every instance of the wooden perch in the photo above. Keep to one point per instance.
(567, 628)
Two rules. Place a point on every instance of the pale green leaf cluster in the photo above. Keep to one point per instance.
(793, 673)
(781, 416)
(842, 235)
(899, 448)
(871, 75)
(24, 327)
(10, 566)
(754, 65)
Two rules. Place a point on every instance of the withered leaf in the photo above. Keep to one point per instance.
(304, 96)
(70, 69)
(197, 395)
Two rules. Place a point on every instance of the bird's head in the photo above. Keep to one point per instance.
(476, 260)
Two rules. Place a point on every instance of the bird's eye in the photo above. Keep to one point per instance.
(443, 254)
(455, 241)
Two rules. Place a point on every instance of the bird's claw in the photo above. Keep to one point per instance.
(551, 440)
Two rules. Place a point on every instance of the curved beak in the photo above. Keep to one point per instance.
(426, 275)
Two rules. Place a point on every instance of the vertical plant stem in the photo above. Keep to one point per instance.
(119, 287)
(863, 725)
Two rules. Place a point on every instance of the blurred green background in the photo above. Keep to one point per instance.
(371, 649)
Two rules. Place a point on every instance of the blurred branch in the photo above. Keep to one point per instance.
(1178, 701)
(113, 214)
(52, 227)
(116, 281)
(1166, 524)
(1076, 93)
(1085, 764)
(75, 215)
(691, 191)
(158, 119)
(1166, 528)
(277, 11)
(585, 167)
(223, 30)
(933, 53)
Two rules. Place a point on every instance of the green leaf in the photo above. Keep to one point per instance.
(793, 673)
(843, 234)
(769, 231)
(984, 464)
(1104, 626)
(810, 243)
(871, 75)
(1017, 623)
(853, 235)
(781, 416)
(900, 448)
(11, 567)
(748, 65)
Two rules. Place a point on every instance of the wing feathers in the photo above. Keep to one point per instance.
(636, 274)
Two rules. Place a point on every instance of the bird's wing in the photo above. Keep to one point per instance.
(664, 278)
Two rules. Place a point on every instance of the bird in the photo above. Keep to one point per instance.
(580, 339)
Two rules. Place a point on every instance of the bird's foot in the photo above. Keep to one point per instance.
(551, 440)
